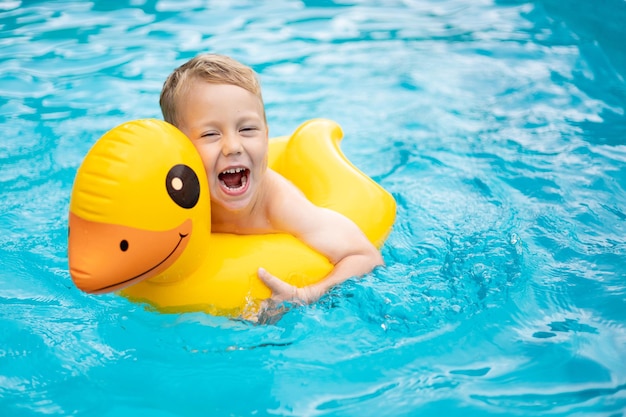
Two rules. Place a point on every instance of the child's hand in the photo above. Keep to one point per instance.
(283, 292)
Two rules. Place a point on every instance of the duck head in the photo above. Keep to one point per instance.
(139, 209)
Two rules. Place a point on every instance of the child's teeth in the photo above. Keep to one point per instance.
(232, 171)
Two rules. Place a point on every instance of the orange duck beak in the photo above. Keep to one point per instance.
(105, 257)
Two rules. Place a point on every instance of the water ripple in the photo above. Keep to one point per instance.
(497, 126)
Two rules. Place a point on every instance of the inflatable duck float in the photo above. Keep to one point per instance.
(140, 220)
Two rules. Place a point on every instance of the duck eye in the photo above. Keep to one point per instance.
(183, 186)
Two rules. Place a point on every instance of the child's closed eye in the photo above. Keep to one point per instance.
(249, 130)
(211, 135)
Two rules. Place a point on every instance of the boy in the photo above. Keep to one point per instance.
(217, 103)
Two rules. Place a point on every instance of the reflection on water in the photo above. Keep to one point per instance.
(498, 127)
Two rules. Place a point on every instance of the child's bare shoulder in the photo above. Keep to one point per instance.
(279, 188)
(286, 203)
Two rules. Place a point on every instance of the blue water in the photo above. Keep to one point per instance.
(500, 129)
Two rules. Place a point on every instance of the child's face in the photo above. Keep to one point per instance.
(226, 124)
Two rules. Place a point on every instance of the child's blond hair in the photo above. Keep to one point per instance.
(211, 68)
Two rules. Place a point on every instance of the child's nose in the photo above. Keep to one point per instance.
(231, 144)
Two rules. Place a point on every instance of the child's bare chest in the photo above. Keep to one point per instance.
(253, 223)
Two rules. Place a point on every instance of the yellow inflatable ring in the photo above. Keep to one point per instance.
(140, 219)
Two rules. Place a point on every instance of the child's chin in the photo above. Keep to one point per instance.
(234, 203)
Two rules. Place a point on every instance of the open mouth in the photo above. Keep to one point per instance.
(234, 180)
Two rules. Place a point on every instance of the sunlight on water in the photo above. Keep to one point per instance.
(498, 126)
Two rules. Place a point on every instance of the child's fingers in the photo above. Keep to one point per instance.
(281, 291)
(273, 283)
(268, 279)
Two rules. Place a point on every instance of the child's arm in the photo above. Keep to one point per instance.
(326, 231)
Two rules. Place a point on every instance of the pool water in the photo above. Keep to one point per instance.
(498, 126)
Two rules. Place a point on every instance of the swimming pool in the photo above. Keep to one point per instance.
(500, 129)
